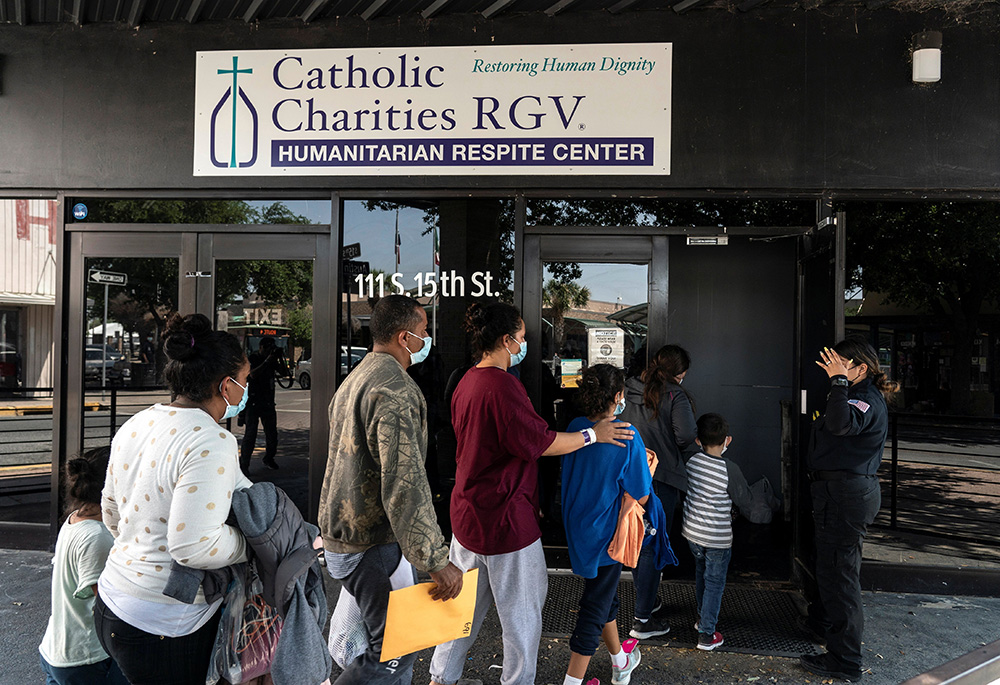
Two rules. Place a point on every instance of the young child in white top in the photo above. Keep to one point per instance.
(70, 651)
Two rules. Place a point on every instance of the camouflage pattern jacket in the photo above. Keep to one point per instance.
(375, 489)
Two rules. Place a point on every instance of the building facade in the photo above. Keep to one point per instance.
(715, 174)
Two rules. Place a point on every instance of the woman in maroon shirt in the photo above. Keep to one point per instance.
(494, 505)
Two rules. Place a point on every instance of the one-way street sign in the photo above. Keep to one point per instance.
(107, 277)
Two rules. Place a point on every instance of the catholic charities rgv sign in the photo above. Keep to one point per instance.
(527, 109)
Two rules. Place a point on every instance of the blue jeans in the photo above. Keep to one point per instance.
(710, 566)
(101, 673)
(645, 575)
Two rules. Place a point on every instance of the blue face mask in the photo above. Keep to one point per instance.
(233, 409)
(421, 354)
(620, 407)
(516, 359)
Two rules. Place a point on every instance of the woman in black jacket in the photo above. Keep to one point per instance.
(844, 455)
(662, 411)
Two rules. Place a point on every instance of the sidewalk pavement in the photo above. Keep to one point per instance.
(905, 635)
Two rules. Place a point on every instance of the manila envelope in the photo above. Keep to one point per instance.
(414, 621)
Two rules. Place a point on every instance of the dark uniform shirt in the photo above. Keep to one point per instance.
(850, 436)
(264, 368)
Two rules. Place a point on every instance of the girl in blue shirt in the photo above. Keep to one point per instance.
(594, 480)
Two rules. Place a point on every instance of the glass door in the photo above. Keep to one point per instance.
(123, 286)
(590, 299)
(266, 290)
(587, 299)
(121, 290)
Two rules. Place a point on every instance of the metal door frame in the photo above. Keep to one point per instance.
(819, 320)
(196, 247)
(69, 404)
(592, 244)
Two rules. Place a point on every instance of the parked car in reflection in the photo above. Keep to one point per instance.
(303, 370)
(116, 372)
(110, 352)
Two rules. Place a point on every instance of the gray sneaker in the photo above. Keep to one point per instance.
(622, 676)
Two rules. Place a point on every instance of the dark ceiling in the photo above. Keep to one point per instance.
(138, 12)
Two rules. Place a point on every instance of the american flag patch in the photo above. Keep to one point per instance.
(863, 406)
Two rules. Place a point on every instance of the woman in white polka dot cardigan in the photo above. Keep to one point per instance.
(167, 495)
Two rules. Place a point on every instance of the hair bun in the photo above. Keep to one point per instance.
(181, 335)
(475, 317)
(78, 466)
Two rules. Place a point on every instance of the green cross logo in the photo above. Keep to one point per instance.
(235, 71)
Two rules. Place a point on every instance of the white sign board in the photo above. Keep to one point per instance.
(593, 109)
(107, 277)
(606, 346)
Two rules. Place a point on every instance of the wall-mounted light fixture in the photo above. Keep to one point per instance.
(927, 57)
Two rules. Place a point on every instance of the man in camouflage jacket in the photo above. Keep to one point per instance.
(375, 505)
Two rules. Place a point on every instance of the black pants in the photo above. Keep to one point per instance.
(842, 512)
(269, 419)
(598, 606)
(369, 583)
(148, 659)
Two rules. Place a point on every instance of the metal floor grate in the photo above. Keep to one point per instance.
(752, 620)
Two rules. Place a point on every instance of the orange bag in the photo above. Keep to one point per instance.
(627, 542)
(652, 460)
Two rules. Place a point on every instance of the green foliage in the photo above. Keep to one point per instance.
(563, 296)
(300, 320)
(153, 281)
(942, 256)
(172, 212)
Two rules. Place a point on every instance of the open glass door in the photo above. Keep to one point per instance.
(820, 322)
(587, 300)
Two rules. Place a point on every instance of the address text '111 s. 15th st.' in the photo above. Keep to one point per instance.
(426, 284)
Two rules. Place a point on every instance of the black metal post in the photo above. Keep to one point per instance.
(114, 414)
(894, 484)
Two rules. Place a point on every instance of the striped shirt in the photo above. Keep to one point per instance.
(714, 485)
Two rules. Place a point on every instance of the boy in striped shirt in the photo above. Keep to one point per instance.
(715, 485)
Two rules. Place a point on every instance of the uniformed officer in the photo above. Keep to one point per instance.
(844, 456)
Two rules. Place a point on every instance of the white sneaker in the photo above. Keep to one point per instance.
(622, 676)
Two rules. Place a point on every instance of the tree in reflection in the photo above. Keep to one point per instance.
(151, 294)
(939, 257)
(560, 297)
